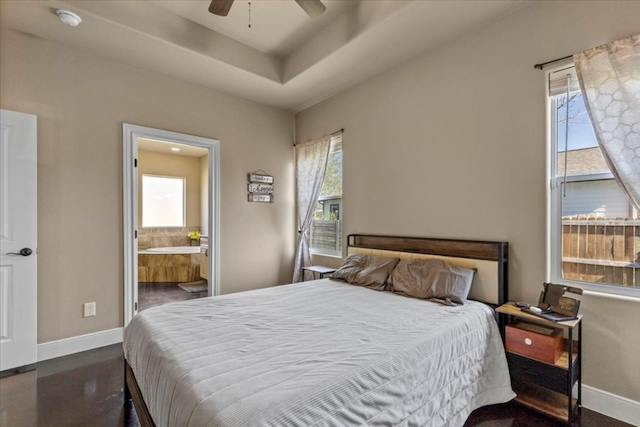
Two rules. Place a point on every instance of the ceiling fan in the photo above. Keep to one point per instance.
(313, 8)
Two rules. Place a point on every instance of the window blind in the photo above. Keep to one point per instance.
(336, 143)
(558, 82)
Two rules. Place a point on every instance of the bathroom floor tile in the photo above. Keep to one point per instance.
(151, 294)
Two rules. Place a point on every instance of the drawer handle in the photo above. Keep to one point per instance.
(528, 341)
(535, 374)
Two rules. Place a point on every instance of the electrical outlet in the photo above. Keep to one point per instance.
(89, 309)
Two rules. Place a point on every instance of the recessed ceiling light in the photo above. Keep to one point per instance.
(68, 18)
(175, 149)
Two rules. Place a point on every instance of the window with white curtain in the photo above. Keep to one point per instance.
(326, 229)
(163, 201)
(592, 221)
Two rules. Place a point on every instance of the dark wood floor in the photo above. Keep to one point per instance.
(83, 389)
(86, 389)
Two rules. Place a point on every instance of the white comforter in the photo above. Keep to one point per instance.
(319, 353)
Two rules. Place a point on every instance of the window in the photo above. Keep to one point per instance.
(592, 221)
(163, 201)
(326, 229)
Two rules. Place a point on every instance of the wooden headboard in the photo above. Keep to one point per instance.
(489, 259)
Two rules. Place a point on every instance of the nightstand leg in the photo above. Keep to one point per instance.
(580, 365)
(570, 379)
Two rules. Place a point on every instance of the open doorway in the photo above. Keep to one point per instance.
(172, 221)
(170, 217)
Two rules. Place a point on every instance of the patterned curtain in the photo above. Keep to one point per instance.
(609, 78)
(311, 164)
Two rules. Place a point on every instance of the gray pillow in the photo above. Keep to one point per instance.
(431, 279)
(366, 270)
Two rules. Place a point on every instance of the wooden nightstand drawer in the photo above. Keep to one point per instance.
(538, 342)
(551, 377)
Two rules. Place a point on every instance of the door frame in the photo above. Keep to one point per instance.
(130, 135)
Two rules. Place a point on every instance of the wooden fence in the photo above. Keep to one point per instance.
(326, 235)
(601, 250)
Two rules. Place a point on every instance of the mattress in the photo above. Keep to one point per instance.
(318, 353)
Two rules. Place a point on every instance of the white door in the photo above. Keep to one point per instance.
(18, 239)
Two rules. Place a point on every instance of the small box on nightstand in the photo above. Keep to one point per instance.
(535, 341)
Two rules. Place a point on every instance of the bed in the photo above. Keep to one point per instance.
(324, 352)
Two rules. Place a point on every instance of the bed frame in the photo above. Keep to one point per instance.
(487, 258)
(490, 285)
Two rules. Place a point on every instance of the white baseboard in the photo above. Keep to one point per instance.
(53, 349)
(611, 405)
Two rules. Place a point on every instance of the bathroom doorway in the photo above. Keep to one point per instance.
(171, 216)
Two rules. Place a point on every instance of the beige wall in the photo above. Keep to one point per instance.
(453, 142)
(163, 164)
(81, 101)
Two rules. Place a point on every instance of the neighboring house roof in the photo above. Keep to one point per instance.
(331, 197)
(582, 162)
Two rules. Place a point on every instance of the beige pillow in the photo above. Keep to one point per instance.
(431, 278)
(366, 270)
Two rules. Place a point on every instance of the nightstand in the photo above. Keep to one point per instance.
(543, 386)
(319, 269)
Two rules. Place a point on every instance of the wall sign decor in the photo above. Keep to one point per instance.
(255, 187)
(260, 187)
(256, 177)
(265, 198)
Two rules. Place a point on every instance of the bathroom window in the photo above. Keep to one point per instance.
(163, 203)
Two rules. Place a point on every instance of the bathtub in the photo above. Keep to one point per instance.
(173, 250)
(169, 264)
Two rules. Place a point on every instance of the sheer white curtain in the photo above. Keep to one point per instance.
(311, 164)
(609, 78)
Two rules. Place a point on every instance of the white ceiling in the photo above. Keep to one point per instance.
(157, 146)
(285, 59)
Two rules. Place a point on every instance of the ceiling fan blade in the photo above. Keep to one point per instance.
(220, 7)
(314, 8)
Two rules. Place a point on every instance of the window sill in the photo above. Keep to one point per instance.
(325, 254)
(606, 291)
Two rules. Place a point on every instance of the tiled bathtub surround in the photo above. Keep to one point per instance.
(167, 267)
(159, 237)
